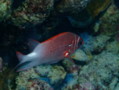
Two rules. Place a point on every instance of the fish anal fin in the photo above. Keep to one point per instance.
(19, 55)
(32, 44)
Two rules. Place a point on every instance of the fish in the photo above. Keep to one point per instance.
(50, 51)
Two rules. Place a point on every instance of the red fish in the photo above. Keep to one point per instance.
(50, 51)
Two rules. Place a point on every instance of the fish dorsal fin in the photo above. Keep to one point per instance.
(19, 55)
(32, 44)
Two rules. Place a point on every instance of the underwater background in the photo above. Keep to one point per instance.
(93, 66)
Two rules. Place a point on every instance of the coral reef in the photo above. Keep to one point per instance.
(94, 66)
(36, 84)
(80, 55)
(5, 9)
(73, 9)
(99, 71)
(112, 47)
(54, 75)
(71, 6)
(7, 78)
(109, 22)
(23, 78)
(99, 42)
(71, 79)
(70, 66)
(94, 43)
(32, 12)
(29, 13)
(92, 9)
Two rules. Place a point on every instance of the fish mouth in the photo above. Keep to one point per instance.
(23, 66)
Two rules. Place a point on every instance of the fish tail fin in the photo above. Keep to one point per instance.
(24, 66)
(21, 66)
(20, 57)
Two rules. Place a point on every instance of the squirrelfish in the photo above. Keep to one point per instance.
(50, 51)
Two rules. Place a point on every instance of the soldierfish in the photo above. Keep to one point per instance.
(50, 51)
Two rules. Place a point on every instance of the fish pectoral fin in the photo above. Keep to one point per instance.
(32, 44)
(19, 55)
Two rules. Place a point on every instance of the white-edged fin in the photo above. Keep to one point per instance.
(32, 44)
(23, 66)
(19, 55)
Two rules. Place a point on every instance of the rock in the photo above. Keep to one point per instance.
(109, 21)
(71, 79)
(52, 75)
(5, 9)
(94, 43)
(23, 77)
(55, 73)
(73, 9)
(32, 12)
(100, 42)
(112, 47)
(80, 55)
(99, 72)
(36, 84)
(82, 13)
(88, 41)
(72, 6)
(70, 66)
